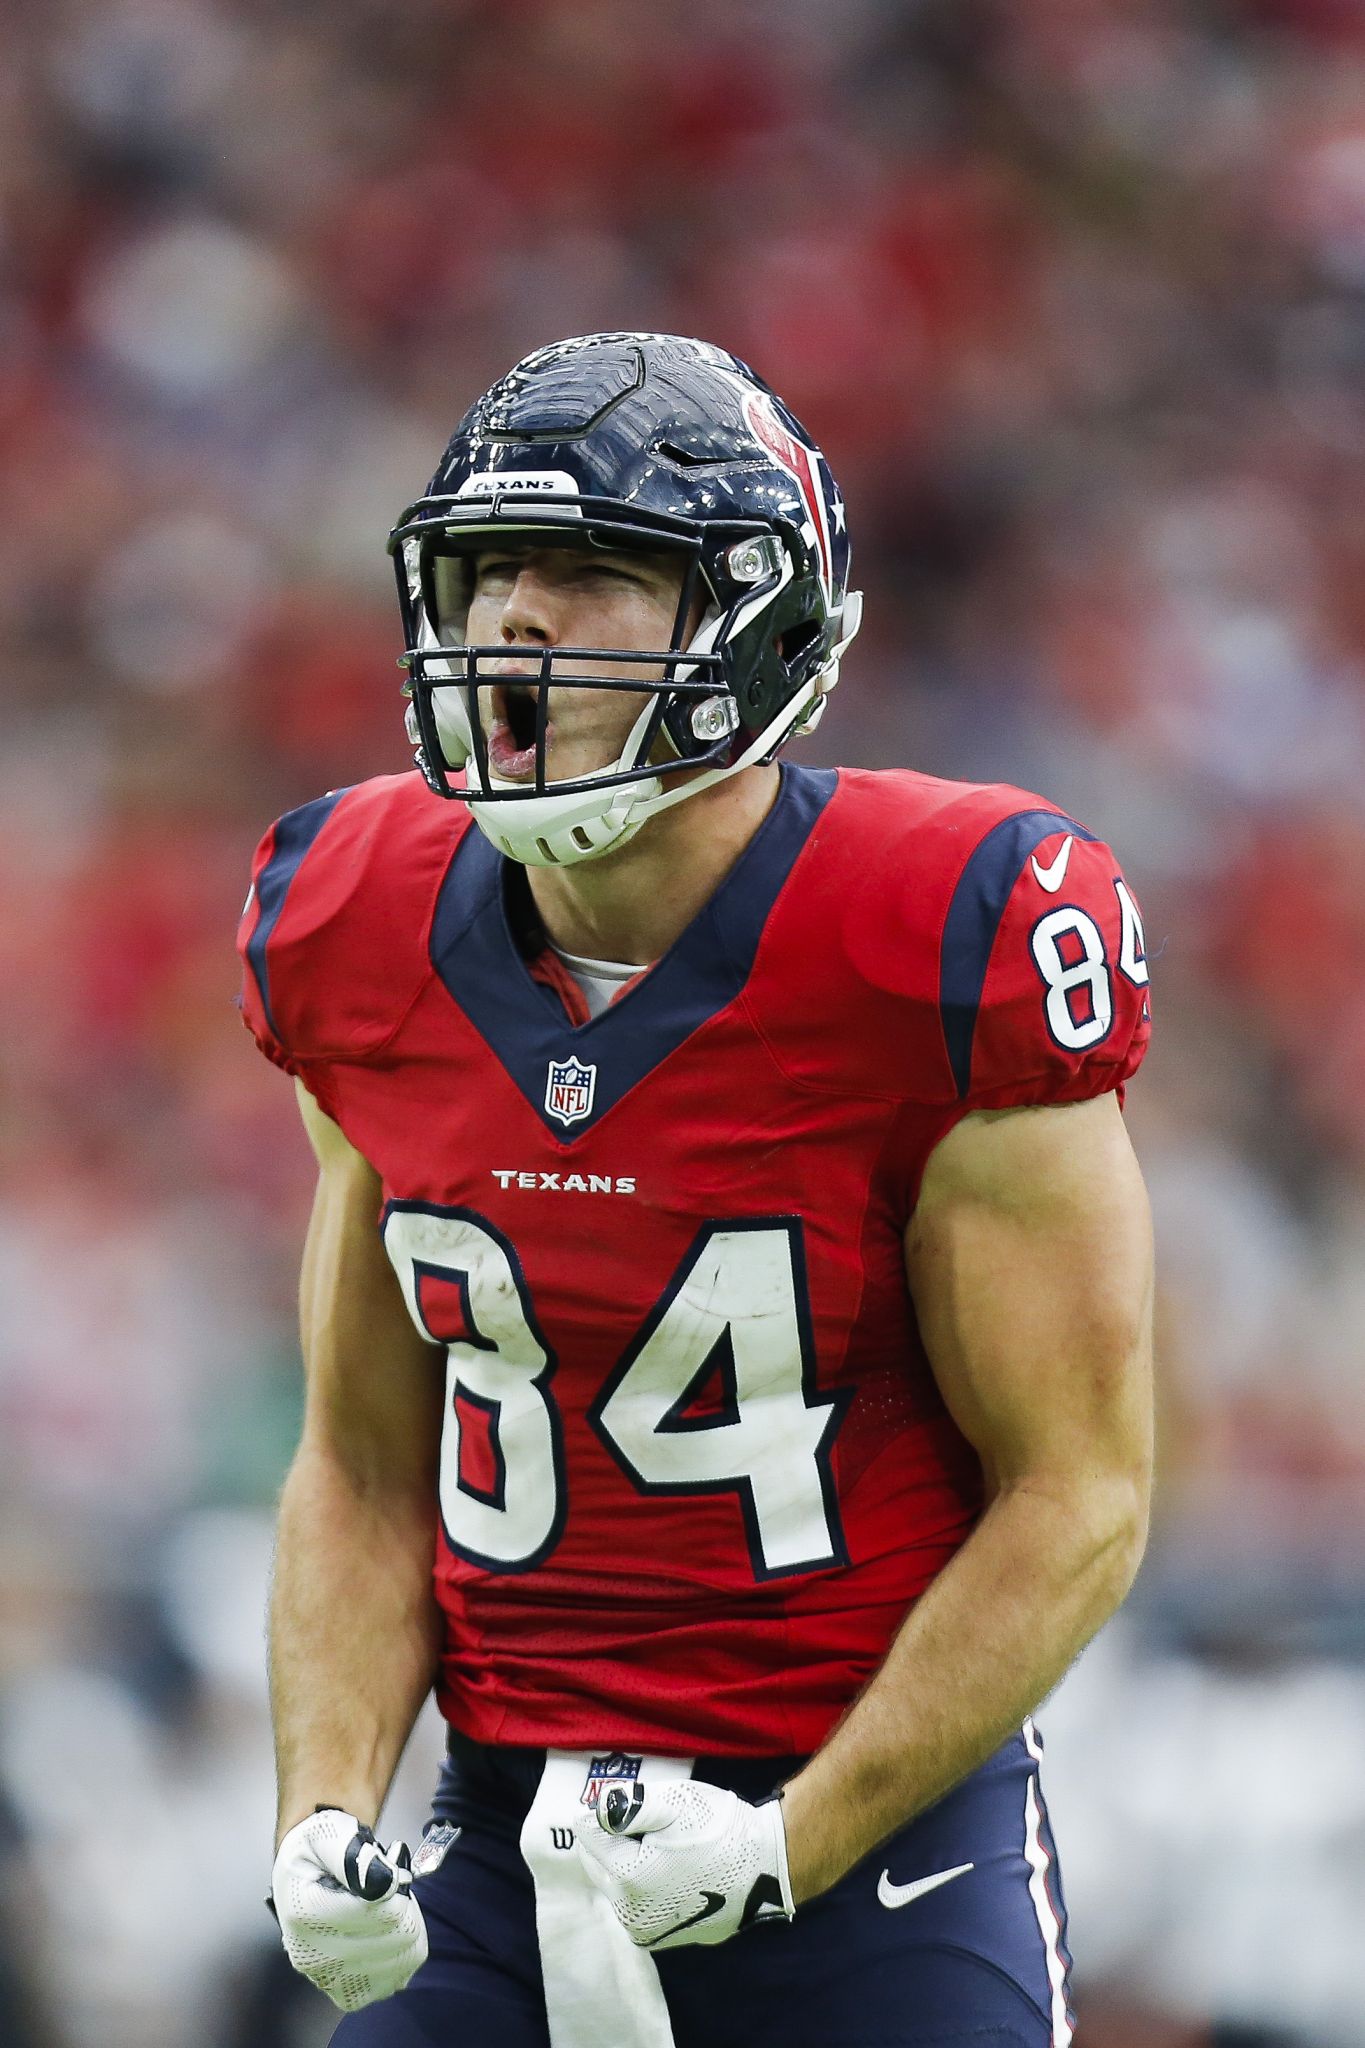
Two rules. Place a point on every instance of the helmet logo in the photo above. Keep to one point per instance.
(569, 1089)
(491, 483)
(799, 463)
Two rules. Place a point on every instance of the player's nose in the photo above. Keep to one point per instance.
(531, 609)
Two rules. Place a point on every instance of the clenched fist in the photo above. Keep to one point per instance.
(346, 1911)
(688, 1862)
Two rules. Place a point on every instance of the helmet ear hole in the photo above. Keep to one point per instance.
(792, 644)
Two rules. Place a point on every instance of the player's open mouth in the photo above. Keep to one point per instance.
(512, 739)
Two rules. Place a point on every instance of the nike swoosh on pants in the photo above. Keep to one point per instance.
(894, 1895)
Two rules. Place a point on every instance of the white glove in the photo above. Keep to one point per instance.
(346, 1911)
(688, 1862)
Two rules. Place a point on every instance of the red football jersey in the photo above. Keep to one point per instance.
(694, 1465)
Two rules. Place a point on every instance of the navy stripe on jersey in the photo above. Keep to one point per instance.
(524, 1022)
(294, 834)
(983, 890)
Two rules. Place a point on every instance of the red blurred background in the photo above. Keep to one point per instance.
(1073, 294)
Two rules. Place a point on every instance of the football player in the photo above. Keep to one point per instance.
(726, 1303)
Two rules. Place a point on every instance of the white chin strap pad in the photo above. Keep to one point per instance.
(560, 831)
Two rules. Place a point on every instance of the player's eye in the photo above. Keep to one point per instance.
(608, 572)
(494, 573)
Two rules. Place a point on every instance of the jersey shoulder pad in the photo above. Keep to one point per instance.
(333, 937)
(1011, 937)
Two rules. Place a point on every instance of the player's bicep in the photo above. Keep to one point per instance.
(1029, 1258)
(374, 1384)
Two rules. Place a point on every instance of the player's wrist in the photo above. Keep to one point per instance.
(292, 1816)
(814, 1863)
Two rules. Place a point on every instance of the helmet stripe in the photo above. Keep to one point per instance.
(791, 455)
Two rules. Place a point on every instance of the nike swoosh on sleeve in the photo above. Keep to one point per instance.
(1052, 876)
(894, 1895)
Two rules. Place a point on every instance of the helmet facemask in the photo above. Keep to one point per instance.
(705, 699)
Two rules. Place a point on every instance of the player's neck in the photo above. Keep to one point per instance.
(630, 905)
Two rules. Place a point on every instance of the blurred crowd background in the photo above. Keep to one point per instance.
(1073, 294)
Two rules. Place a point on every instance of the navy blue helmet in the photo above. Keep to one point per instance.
(626, 441)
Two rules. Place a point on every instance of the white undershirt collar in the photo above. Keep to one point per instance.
(599, 980)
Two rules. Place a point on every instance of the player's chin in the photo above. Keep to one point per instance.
(581, 745)
(581, 764)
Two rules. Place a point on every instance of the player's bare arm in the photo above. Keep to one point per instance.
(1029, 1259)
(354, 1628)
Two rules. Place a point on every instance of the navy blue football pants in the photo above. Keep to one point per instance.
(979, 1959)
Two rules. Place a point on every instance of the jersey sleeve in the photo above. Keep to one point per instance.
(271, 1005)
(1043, 978)
(334, 936)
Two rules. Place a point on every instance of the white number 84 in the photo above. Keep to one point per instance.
(1063, 979)
(738, 1302)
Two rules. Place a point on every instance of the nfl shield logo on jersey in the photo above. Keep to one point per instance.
(569, 1089)
(616, 1768)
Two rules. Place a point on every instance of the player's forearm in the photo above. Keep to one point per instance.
(354, 1638)
(1043, 1570)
